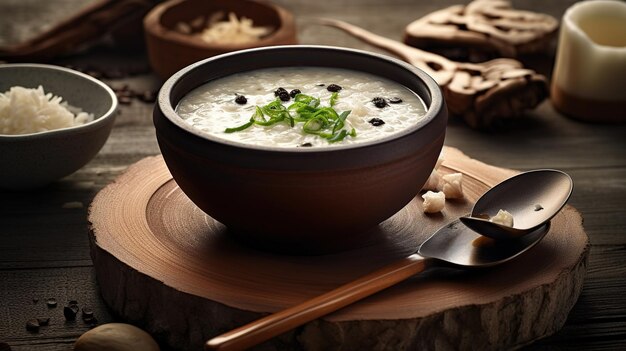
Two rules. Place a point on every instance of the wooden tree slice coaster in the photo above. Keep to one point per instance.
(163, 264)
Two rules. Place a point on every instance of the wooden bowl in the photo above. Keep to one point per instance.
(170, 50)
(300, 200)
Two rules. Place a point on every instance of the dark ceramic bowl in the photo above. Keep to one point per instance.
(301, 200)
(169, 50)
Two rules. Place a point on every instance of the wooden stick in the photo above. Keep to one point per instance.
(87, 25)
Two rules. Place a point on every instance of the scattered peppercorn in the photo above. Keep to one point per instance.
(306, 144)
(241, 100)
(294, 92)
(320, 84)
(124, 92)
(379, 102)
(32, 325)
(148, 96)
(43, 321)
(278, 91)
(376, 122)
(70, 312)
(91, 321)
(333, 88)
(87, 313)
(51, 302)
(284, 96)
(395, 100)
(124, 100)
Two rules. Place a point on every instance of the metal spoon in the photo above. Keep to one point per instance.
(533, 198)
(452, 245)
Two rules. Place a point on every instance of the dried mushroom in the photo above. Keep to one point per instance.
(483, 28)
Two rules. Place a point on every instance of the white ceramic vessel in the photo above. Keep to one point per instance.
(589, 80)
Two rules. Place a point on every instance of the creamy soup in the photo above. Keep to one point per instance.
(301, 107)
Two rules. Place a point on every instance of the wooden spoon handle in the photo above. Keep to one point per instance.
(280, 322)
(438, 67)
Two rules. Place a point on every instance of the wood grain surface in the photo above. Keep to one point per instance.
(44, 248)
(152, 247)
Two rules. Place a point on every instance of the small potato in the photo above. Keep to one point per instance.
(116, 337)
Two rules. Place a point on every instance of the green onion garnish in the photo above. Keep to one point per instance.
(333, 98)
(240, 128)
(323, 121)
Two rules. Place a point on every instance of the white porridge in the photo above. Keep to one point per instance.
(301, 106)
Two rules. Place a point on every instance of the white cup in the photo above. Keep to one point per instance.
(589, 78)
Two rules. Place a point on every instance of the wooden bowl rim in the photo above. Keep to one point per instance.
(153, 26)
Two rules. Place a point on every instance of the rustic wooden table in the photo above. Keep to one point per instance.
(44, 250)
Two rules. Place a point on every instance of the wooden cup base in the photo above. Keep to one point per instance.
(588, 110)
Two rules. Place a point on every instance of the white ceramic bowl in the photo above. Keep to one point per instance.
(33, 160)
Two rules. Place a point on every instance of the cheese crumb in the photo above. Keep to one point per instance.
(451, 185)
(503, 218)
(433, 201)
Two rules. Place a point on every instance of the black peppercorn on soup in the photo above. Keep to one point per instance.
(301, 107)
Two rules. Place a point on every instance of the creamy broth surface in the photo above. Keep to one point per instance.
(212, 109)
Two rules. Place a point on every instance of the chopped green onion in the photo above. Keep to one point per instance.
(314, 125)
(258, 115)
(309, 100)
(240, 128)
(338, 136)
(333, 98)
(322, 121)
(340, 121)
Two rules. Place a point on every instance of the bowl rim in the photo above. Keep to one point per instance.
(433, 110)
(97, 122)
(153, 26)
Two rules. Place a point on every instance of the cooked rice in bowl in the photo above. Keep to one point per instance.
(26, 111)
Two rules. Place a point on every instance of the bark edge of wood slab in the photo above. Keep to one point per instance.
(164, 265)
